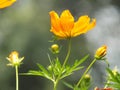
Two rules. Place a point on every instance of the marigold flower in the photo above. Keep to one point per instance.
(65, 27)
(101, 52)
(6, 3)
(14, 59)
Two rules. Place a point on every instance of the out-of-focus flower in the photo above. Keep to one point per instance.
(55, 48)
(101, 52)
(6, 3)
(14, 59)
(96, 88)
(65, 27)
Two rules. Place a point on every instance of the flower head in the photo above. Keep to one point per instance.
(6, 3)
(101, 52)
(65, 26)
(14, 59)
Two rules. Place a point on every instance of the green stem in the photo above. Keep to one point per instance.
(68, 53)
(16, 69)
(86, 71)
(55, 86)
(64, 63)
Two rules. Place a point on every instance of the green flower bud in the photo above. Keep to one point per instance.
(87, 77)
(55, 48)
(115, 71)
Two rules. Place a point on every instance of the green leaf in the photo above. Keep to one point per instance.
(77, 63)
(114, 79)
(68, 85)
(42, 68)
(32, 72)
(36, 73)
(58, 64)
(68, 70)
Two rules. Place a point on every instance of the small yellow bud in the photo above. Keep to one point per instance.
(87, 77)
(115, 71)
(101, 52)
(50, 68)
(55, 48)
(14, 59)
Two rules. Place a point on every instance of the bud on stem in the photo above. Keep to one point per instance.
(55, 48)
(101, 52)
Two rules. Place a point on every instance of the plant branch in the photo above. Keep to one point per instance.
(86, 71)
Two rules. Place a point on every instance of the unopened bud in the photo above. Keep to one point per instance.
(50, 68)
(115, 71)
(55, 48)
(101, 52)
(87, 77)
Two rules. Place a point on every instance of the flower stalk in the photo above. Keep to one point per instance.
(86, 71)
(99, 55)
(68, 53)
(64, 63)
(15, 61)
(17, 78)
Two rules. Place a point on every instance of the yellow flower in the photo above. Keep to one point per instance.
(64, 26)
(14, 59)
(6, 3)
(101, 52)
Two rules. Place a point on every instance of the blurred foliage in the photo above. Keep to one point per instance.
(113, 79)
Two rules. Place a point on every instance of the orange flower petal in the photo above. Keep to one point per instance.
(55, 24)
(59, 33)
(92, 24)
(55, 20)
(66, 22)
(81, 26)
(6, 3)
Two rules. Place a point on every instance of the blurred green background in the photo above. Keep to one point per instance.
(25, 26)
